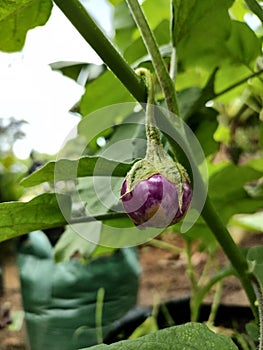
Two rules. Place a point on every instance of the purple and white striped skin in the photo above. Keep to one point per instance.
(154, 202)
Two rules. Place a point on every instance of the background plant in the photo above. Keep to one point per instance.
(217, 75)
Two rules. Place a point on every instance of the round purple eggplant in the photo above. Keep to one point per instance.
(156, 201)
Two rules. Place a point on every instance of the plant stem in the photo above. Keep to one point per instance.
(202, 292)
(173, 60)
(157, 60)
(91, 32)
(259, 295)
(215, 305)
(233, 86)
(256, 8)
(166, 246)
(190, 268)
(152, 133)
(231, 250)
(99, 314)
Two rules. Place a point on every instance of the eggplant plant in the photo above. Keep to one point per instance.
(183, 85)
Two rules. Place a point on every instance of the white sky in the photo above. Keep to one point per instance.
(30, 90)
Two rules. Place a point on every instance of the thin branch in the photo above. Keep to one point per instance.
(240, 82)
(202, 292)
(165, 245)
(101, 217)
(256, 8)
(157, 59)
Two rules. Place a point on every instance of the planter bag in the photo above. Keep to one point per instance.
(60, 298)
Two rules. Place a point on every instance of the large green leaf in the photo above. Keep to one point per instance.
(17, 17)
(226, 189)
(66, 169)
(72, 242)
(243, 45)
(160, 7)
(42, 212)
(106, 90)
(190, 336)
(192, 20)
(99, 193)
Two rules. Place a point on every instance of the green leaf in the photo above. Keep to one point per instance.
(108, 117)
(99, 193)
(256, 163)
(253, 222)
(124, 25)
(238, 10)
(74, 69)
(204, 132)
(192, 19)
(104, 91)
(226, 189)
(187, 98)
(17, 17)
(228, 75)
(255, 189)
(148, 326)
(190, 336)
(65, 169)
(243, 45)
(74, 242)
(255, 258)
(42, 212)
(115, 2)
(151, 8)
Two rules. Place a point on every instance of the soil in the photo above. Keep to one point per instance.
(164, 277)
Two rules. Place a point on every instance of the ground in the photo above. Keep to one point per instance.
(163, 277)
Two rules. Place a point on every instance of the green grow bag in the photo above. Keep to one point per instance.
(60, 299)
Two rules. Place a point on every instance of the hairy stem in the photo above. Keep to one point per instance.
(92, 33)
(152, 133)
(157, 60)
(166, 246)
(173, 60)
